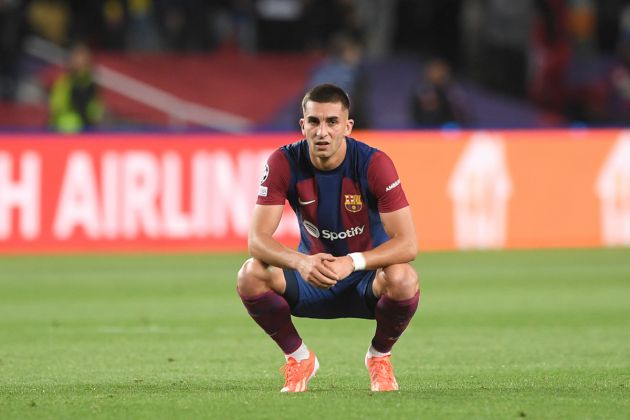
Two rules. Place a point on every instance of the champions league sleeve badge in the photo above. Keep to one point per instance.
(265, 174)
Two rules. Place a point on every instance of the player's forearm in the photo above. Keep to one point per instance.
(397, 250)
(272, 252)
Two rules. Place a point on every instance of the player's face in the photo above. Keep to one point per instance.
(325, 126)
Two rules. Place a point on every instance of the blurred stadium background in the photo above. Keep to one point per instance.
(132, 138)
(532, 63)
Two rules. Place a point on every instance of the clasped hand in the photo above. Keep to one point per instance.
(324, 270)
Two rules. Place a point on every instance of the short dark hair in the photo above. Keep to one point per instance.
(327, 92)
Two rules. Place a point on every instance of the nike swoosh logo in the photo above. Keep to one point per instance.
(304, 203)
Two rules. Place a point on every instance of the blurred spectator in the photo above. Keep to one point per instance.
(234, 25)
(550, 54)
(350, 20)
(619, 79)
(471, 24)
(11, 32)
(280, 24)
(567, 74)
(142, 32)
(50, 19)
(377, 20)
(344, 67)
(505, 38)
(437, 101)
(101, 23)
(112, 20)
(75, 104)
(586, 74)
(184, 24)
(431, 28)
(607, 24)
(242, 27)
(323, 19)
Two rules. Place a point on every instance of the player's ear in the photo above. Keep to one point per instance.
(349, 125)
(302, 126)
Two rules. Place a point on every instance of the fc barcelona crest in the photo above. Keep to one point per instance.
(353, 202)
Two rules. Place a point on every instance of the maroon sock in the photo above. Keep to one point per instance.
(392, 317)
(273, 314)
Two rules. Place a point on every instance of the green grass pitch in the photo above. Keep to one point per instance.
(536, 334)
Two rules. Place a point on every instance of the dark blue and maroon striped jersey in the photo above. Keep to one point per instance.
(338, 210)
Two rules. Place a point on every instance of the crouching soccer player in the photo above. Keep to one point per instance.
(357, 239)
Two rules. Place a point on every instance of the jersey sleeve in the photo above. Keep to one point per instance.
(385, 184)
(275, 181)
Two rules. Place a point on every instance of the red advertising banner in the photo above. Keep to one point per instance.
(116, 193)
(515, 189)
(497, 189)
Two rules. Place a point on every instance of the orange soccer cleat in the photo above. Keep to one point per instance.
(298, 373)
(381, 373)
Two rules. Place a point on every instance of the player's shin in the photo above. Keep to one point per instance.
(271, 311)
(392, 318)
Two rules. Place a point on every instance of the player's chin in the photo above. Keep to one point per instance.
(324, 154)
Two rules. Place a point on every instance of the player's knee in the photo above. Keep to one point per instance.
(401, 280)
(250, 276)
(250, 269)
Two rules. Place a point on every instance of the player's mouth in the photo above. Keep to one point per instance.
(321, 145)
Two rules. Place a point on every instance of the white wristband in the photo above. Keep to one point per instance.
(358, 259)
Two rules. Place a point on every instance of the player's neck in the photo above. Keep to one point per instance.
(332, 162)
